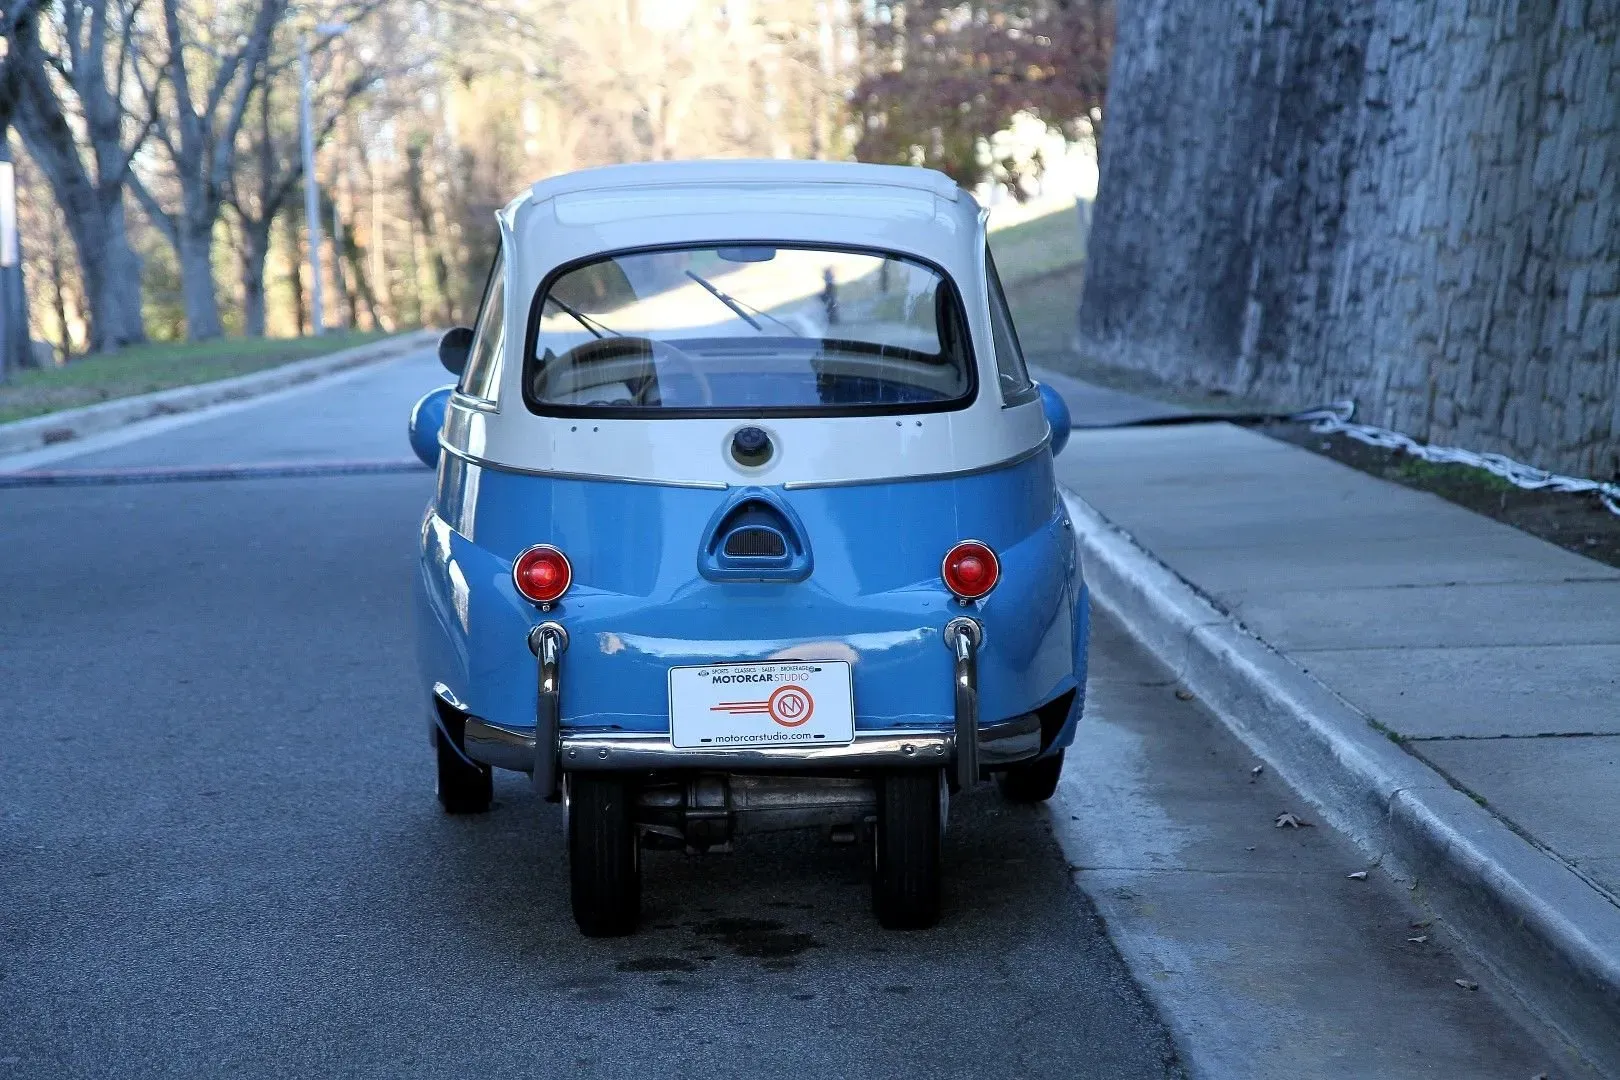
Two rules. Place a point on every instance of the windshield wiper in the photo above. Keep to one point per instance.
(789, 327)
(734, 305)
(583, 319)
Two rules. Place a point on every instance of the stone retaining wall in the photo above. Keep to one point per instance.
(1413, 203)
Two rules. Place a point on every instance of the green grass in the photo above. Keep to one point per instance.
(145, 368)
(1045, 309)
(1042, 265)
(1436, 476)
(1045, 245)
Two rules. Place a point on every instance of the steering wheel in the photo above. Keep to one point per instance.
(671, 369)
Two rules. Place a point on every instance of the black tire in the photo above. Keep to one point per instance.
(462, 788)
(905, 850)
(1032, 783)
(604, 857)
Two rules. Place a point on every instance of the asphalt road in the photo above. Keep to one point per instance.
(220, 854)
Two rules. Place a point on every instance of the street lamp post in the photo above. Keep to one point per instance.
(312, 202)
(14, 339)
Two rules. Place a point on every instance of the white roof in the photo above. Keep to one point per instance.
(912, 211)
(724, 172)
(916, 212)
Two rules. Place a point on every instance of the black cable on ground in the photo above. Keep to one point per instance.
(1339, 411)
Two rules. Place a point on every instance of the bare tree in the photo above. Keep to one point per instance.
(56, 303)
(423, 217)
(257, 199)
(13, 344)
(209, 90)
(69, 96)
(658, 81)
(271, 168)
(293, 233)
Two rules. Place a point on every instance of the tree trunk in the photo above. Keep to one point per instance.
(109, 267)
(414, 278)
(295, 265)
(255, 252)
(362, 291)
(106, 301)
(415, 188)
(59, 301)
(197, 282)
(122, 315)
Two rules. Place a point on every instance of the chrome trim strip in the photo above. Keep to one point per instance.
(977, 470)
(705, 485)
(448, 696)
(1022, 397)
(467, 401)
(1016, 740)
(436, 724)
(498, 745)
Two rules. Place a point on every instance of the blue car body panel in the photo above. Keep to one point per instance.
(863, 583)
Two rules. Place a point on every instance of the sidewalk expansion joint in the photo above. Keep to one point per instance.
(1449, 648)
(1500, 738)
(1258, 871)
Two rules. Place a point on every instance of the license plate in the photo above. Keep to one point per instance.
(791, 703)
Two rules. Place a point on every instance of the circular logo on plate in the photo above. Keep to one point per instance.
(791, 705)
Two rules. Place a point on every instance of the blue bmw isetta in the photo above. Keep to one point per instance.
(746, 520)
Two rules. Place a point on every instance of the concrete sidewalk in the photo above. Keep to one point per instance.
(1491, 658)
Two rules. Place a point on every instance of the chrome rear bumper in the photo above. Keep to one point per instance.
(513, 748)
(547, 750)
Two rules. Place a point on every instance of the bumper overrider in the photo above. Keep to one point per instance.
(547, 750)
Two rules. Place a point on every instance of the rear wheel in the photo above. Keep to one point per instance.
(463, 788)
(1032, 782)
(604, 861)
(906, 850)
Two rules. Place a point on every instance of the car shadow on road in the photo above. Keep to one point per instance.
(780, 931)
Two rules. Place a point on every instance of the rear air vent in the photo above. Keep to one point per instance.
(756, 538)
(755, 542)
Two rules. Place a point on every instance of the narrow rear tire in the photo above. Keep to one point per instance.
(604, 857)
(906, 850)
(1033, 782)
(462, 788)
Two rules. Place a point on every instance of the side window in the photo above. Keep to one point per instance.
(482, 377)
(1014, 376)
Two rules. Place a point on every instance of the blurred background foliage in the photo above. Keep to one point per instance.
(157, 141)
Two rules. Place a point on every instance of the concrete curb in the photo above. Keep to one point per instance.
(1552, 940)
(37, 432)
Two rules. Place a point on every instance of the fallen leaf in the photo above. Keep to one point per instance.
(1420, 939)
(1286, 820)
(1359, 875)
(1466, 984)
(1184, 695)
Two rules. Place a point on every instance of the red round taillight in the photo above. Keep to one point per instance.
(542, 574)
(971, 570)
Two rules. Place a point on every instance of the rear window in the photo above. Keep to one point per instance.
(748, 329)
